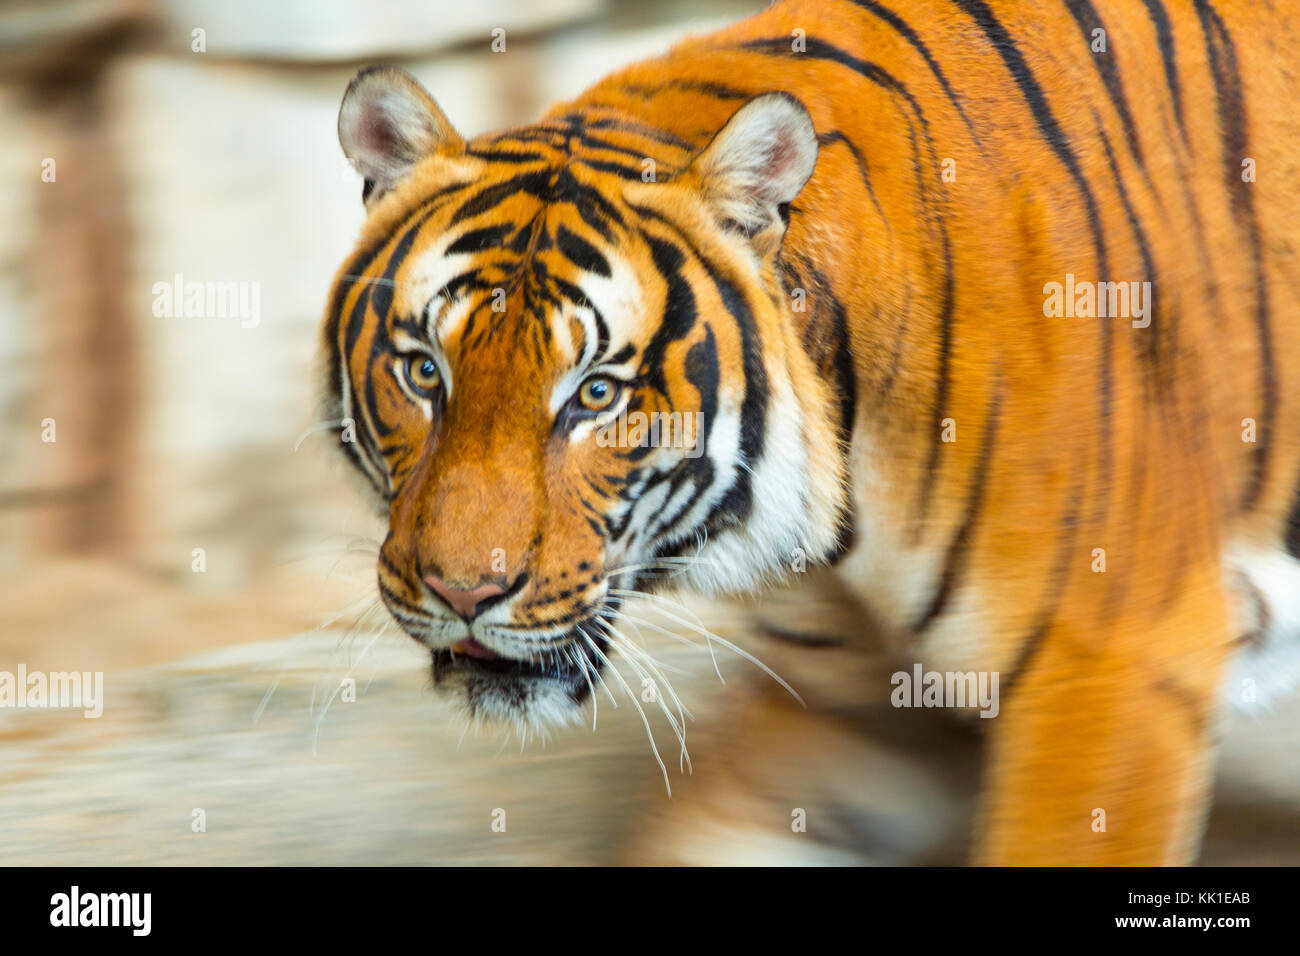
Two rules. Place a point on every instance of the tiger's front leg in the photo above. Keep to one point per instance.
(845, 778)
(1102, 752)
(780, 784)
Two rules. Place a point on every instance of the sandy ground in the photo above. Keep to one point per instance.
(387, 779)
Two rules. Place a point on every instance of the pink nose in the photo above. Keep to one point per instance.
(463, 602)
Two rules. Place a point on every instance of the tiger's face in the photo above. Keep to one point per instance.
(558, 378)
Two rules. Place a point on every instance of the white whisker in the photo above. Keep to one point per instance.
(711, 636)
(325, 710)
(633, 653)
(375, 280)
(318, 427)
(635, 703)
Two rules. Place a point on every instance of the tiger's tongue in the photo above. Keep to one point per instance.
(472, 648)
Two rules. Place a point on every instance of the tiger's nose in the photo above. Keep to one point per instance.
(463, 601)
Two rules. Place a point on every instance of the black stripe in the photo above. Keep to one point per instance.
(679, 313)
(801, 639)
(623, 354)
(832, 353)
(959, 549)
(640, 129)
(1165, 40)
(554, 135)
(507, 155)
(1086, 16)
(476, 240)
(1293, 526)
(589, 201)
(589, 141)
(579, 298)
(365, 440)
(453, 287)
(910, 35)
(1154, 340)
(630, 173)
(1120, 580)
(536, 183)
(596, 221)
(581, 253)
(382, 429)
(717, 91)
(703, 371)
(1241, 199)
(1057, 581)
(835, 137)
(753, 410)
(1195, 706)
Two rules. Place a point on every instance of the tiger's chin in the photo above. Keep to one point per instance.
(529, 696)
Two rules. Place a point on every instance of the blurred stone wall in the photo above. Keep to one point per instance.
(196, 138)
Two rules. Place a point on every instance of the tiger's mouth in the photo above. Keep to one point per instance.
(501, 687)
(525, 680)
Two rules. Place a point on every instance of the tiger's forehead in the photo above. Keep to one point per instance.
(524, 269)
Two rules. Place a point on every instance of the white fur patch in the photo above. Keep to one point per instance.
(768, 544)
(1268, 668)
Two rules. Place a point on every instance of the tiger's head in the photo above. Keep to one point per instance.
(558, 377)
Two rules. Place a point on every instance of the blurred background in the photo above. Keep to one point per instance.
(167, 516)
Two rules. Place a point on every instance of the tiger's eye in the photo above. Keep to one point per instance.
(598, 393)
(423, 373)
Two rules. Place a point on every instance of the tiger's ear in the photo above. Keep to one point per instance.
(756, 165)
(387, 124)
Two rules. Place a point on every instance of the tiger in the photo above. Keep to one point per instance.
(980, 311)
